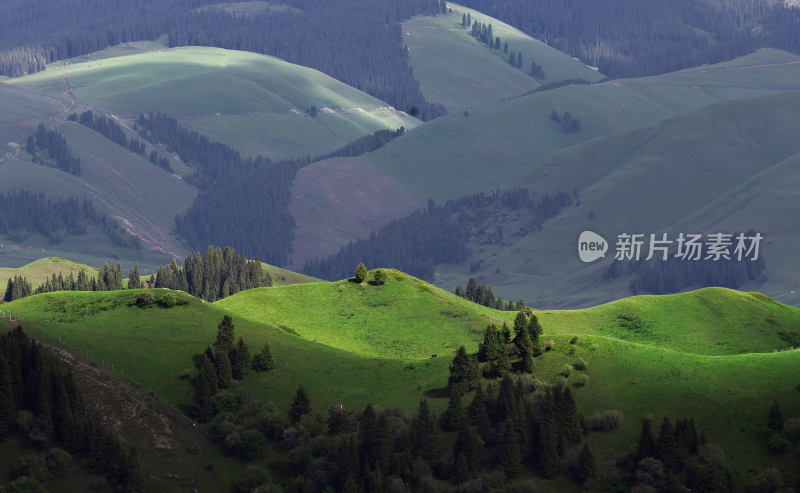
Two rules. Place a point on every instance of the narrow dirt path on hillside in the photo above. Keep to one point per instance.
(69, 94)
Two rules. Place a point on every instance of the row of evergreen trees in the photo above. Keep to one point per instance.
(41, 399)
(437, 235)
(55, 145)
(109, 129)
(485, 34)
(676, 275)
(215, 275)
(482, 294)
(212, 276)
(109, 278)
(23, 212)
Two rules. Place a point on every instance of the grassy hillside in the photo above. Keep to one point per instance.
(690, 349)
(139, 195)
(283, 277)
(458, 71)
(256, 103)
(763, 200)
(142, 197)
(461, 154)
(38, 271)
(637, 182)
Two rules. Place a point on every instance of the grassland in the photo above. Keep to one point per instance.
(284, 277)
(458, 71)
(706, 354)
(40, 270)
(256, 103)
(495, 144)
(724, 147)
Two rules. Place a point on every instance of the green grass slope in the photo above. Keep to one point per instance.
(764, 200)
(139, 195)
(458, 71)
(686, 174)
(284, 277)
(677, 366)
(458, 154)
(142, 197)
(256, 103)
(40, 270)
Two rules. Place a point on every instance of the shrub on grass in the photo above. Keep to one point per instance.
(566, 371)
(168, 300)
(580, 380)
(580, 365)
(186, 374)
(574, 340)
(380, 277)
(145, 298)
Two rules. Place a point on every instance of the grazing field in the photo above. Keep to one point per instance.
(493, 145)
(255, 103)
(698, 353)
(459, 71)
(40, 270)
(616, 177)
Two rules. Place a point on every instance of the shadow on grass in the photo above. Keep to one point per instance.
(441, 393)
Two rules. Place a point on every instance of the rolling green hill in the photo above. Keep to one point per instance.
(37, 272)
(458, 71)
(724, 147)
(255, 103)
(461, 154)
(700, 353)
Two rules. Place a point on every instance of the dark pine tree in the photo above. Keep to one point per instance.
(301, 405)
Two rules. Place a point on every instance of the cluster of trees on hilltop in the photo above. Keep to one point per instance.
(632, 38)
(55, 145)
(109, 129)
(109, 278)
(356, 41)
(676, 275)
(40, 400)
(437, 235)
(482, 294)
(214, 275)
(23, 212)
